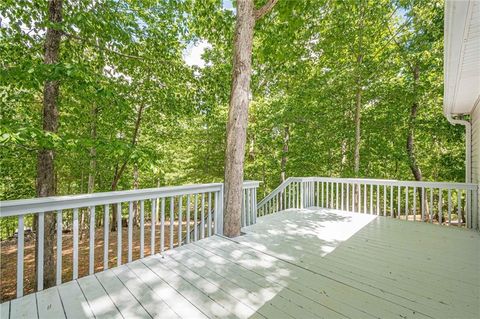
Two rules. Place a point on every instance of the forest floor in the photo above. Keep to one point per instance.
(8, 255)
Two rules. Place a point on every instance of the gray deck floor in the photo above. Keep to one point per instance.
(311, 263)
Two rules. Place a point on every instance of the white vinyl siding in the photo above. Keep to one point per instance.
(476, 150)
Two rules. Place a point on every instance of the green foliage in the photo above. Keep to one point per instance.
(120, 56)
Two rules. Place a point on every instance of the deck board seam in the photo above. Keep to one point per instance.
(36, 305)
(109, 297)
(187, 299)
(86, 299)
(131, 294)
(61, 302)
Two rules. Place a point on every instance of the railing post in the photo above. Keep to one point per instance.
(219, 212)
(474, 208)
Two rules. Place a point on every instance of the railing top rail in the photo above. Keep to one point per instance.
(44, 204)
(251, 184)
(389, 182)
(276, 191)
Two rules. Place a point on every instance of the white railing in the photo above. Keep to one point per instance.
(442, 203)
(249, 203)
(180, 214)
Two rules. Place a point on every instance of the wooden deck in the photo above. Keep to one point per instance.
(311, 263)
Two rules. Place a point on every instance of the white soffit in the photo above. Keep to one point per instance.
(462, 56)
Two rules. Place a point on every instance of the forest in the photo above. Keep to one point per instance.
(339, 88)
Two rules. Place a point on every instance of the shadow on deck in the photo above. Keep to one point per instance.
(309, 263)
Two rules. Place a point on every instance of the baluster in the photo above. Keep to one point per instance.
(209, 214)
(247, 207)
(75, 243)
(130, 231)
(364, 198)
(449, 206)
(253, 203)
(40, 246)
(414, 203)
(215, 202)
(423, 199)
(180, 219)
(342, 198)
(391, 201)
(172, 219)
(187, 236)
(358, 198)
(242, 210)
(195, 218)
(431, 205)
(119, 234)
(440, 213)
(142, 227)
(328, 194)
(20, 251)
(348, 197)
(399, 201)
(332, 195)
(202, 214)
(384, 200)
(474, 208)
(378, 199)
(371, 198)
(353, 198)
(468, 210)
(153, 226)
(323, 200)
(162, 226)
(59, 246)
(406, 202)
(106, 235)
(459, 208)
(336, 195)
(91, 250)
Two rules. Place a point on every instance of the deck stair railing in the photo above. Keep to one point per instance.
(175, 207)
(434, 202)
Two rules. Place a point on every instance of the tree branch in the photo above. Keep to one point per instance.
(266, 8)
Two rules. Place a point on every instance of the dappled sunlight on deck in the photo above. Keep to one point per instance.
(305, 263)
(326, 228)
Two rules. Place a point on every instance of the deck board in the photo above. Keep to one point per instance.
(49, 304)
(125, 302)
(310, 263)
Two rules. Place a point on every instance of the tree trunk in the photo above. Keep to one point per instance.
(412, 159)
(417, 173)
(120, 170)
(46, 157)
(358, 94)
(136, 215)
(358, 103)
(238, 111)
(283, 163)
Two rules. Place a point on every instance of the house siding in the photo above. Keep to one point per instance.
(476, 153)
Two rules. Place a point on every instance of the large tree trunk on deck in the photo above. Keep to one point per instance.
(238, 111)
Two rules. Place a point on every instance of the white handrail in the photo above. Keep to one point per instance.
(44, 204)
(351, 194)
